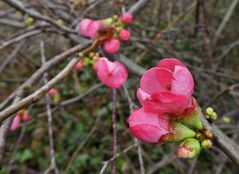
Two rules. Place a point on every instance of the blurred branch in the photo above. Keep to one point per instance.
(19, 6)
(37, 95)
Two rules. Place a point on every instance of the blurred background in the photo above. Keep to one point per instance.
(202, 34)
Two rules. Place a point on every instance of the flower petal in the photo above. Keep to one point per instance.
(170, 63)
(182, 83)
(156, 80)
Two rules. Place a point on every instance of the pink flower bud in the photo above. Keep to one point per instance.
(89, 28)
(124, 35)
(112, 74)
(53, 91)
(15, 123)
(112, 46)
(26, 117)
(79, 65)
(189, 148)
(127, 18)
(149, 126)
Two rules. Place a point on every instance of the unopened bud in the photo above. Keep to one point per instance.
(189, 148)
(214, 116)
(206, 144)
(209, 134)
(226, 119)
(200, 136)
(209, 110)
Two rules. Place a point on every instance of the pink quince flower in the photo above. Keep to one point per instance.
(15, 123)
(149, 126)
(167, 88)
(112, 46)
(127, 18)
(89, 27)
(124, 35)
(112, 74)
(79, 65)
(53, 91)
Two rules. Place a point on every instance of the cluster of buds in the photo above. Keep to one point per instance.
(169, 111)
(21, 116)
(108, 32)
(210, 114)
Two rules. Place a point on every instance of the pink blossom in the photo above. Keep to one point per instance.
(127, 18)
(89, 27)
(167, 88)
(79, 65)
(149, 126)
(112, 74)
(53, 91)
(112, 46)
(15, 123)
(124, 35)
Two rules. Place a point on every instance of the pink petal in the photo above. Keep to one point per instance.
(183, 82)
(170, 63)
(156, 80)
(112, 74)
(89, 28)
(148, 126)
(167, 102)
(141, 95)
(15, 123)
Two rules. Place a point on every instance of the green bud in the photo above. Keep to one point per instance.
(226, 119)
(209, 110)
(214, 116)
(206, 144)
(29, 21)
(180, 133)
(189, 148)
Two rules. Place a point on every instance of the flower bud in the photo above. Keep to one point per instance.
(189, 148)
(206, 144)
(53, 91)
(127, 18)
(112, 46)
(214, 116)
(209, 110)
(89, 28)
(15, 123)
(26, 117)
(208, 133)
(79, 65)
(124, 35)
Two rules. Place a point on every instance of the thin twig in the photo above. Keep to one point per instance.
(114, 130)
(53, 165)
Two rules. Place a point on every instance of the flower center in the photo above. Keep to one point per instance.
(168, 87)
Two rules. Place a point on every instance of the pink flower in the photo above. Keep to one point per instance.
(127, 18)
(124, 35)
(148, 126)
(15, 123)
(53, 91)
(112, 46)
(167, 88)
(89, 28)
(79, 65)
(112, 74)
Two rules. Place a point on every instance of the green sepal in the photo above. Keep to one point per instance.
(180, 132)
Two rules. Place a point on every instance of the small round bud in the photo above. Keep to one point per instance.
(109, 21)
(209, 111)
(214, 116)
(127, 18)
(200, 136)
(206, 144)
(226, 119)
(209, 134)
